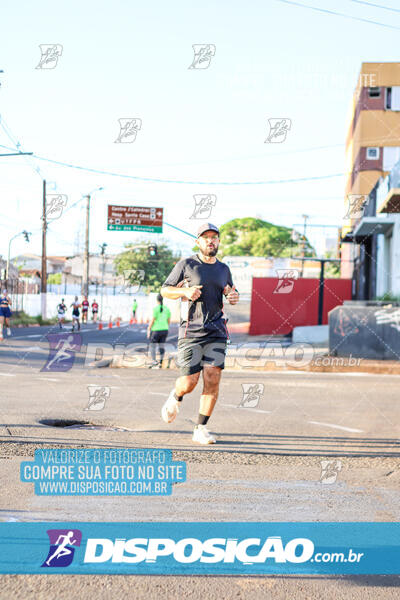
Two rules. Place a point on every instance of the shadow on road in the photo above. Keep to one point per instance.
(281, 445)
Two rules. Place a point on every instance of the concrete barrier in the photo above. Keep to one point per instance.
(371, 332)
(314, 334)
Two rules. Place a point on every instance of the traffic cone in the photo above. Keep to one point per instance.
(100, 326)
(131, 321)
(110, 324)
(118, 322)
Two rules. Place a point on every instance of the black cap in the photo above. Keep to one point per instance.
(206, 227)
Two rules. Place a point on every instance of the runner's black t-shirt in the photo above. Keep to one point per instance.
(203, 317)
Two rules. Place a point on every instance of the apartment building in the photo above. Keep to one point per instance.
(372, 151)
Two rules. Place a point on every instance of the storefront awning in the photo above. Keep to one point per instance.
(370, 225)
(391, 204)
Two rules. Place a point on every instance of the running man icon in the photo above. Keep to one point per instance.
(63, 348)
(61, 551)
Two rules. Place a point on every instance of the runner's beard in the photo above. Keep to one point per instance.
(210, 251)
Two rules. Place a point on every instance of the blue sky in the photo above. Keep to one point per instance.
(130, 59)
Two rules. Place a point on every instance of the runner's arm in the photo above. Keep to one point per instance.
(173, 292)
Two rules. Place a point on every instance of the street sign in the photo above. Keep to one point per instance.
(135, 218)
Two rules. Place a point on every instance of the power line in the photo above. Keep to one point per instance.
(337, 14)
(376, 5)
(183, 182)
(17, 145)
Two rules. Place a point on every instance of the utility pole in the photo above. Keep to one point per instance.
(43, 286)
(103, 254)
(303, 252)
(85, 285)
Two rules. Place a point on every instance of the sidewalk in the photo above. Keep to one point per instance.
(272, 353)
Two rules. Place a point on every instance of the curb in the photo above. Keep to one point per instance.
(362, 366)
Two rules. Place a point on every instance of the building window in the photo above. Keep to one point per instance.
(388, 98)
(374, 92)
(393, 98)
(372, 153)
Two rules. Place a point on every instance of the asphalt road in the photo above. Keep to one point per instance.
(266, 465)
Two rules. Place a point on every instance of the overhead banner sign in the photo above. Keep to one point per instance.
(135, 218)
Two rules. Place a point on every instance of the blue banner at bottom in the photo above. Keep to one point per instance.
(200, 548)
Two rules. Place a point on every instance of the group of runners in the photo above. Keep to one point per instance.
(76, 307)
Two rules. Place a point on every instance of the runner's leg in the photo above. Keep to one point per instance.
(211, 379)
(161, 345)
(186, 384)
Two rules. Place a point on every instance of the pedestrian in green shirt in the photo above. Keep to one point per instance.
(158, 330)
(134, 308)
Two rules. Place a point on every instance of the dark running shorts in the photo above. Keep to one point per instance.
(5, 312)
(195, 353)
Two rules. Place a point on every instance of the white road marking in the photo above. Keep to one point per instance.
(158, 394)
(33, 349)
(336, 427)
(47, 379)
(8, 374)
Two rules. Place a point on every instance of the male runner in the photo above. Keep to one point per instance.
(5, 313)
(95, 310)
(85, 309)
(75, 314)
(61, 310)
(200, 282)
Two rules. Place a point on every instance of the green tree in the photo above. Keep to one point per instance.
(332, 270)
(54, 278)
(156, 268)
(255, 237)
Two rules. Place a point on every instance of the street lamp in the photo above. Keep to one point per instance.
(85, 286)
(26, 234)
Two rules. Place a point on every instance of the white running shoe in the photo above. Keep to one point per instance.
(8, 331)
(170, 408)
(202, 435)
